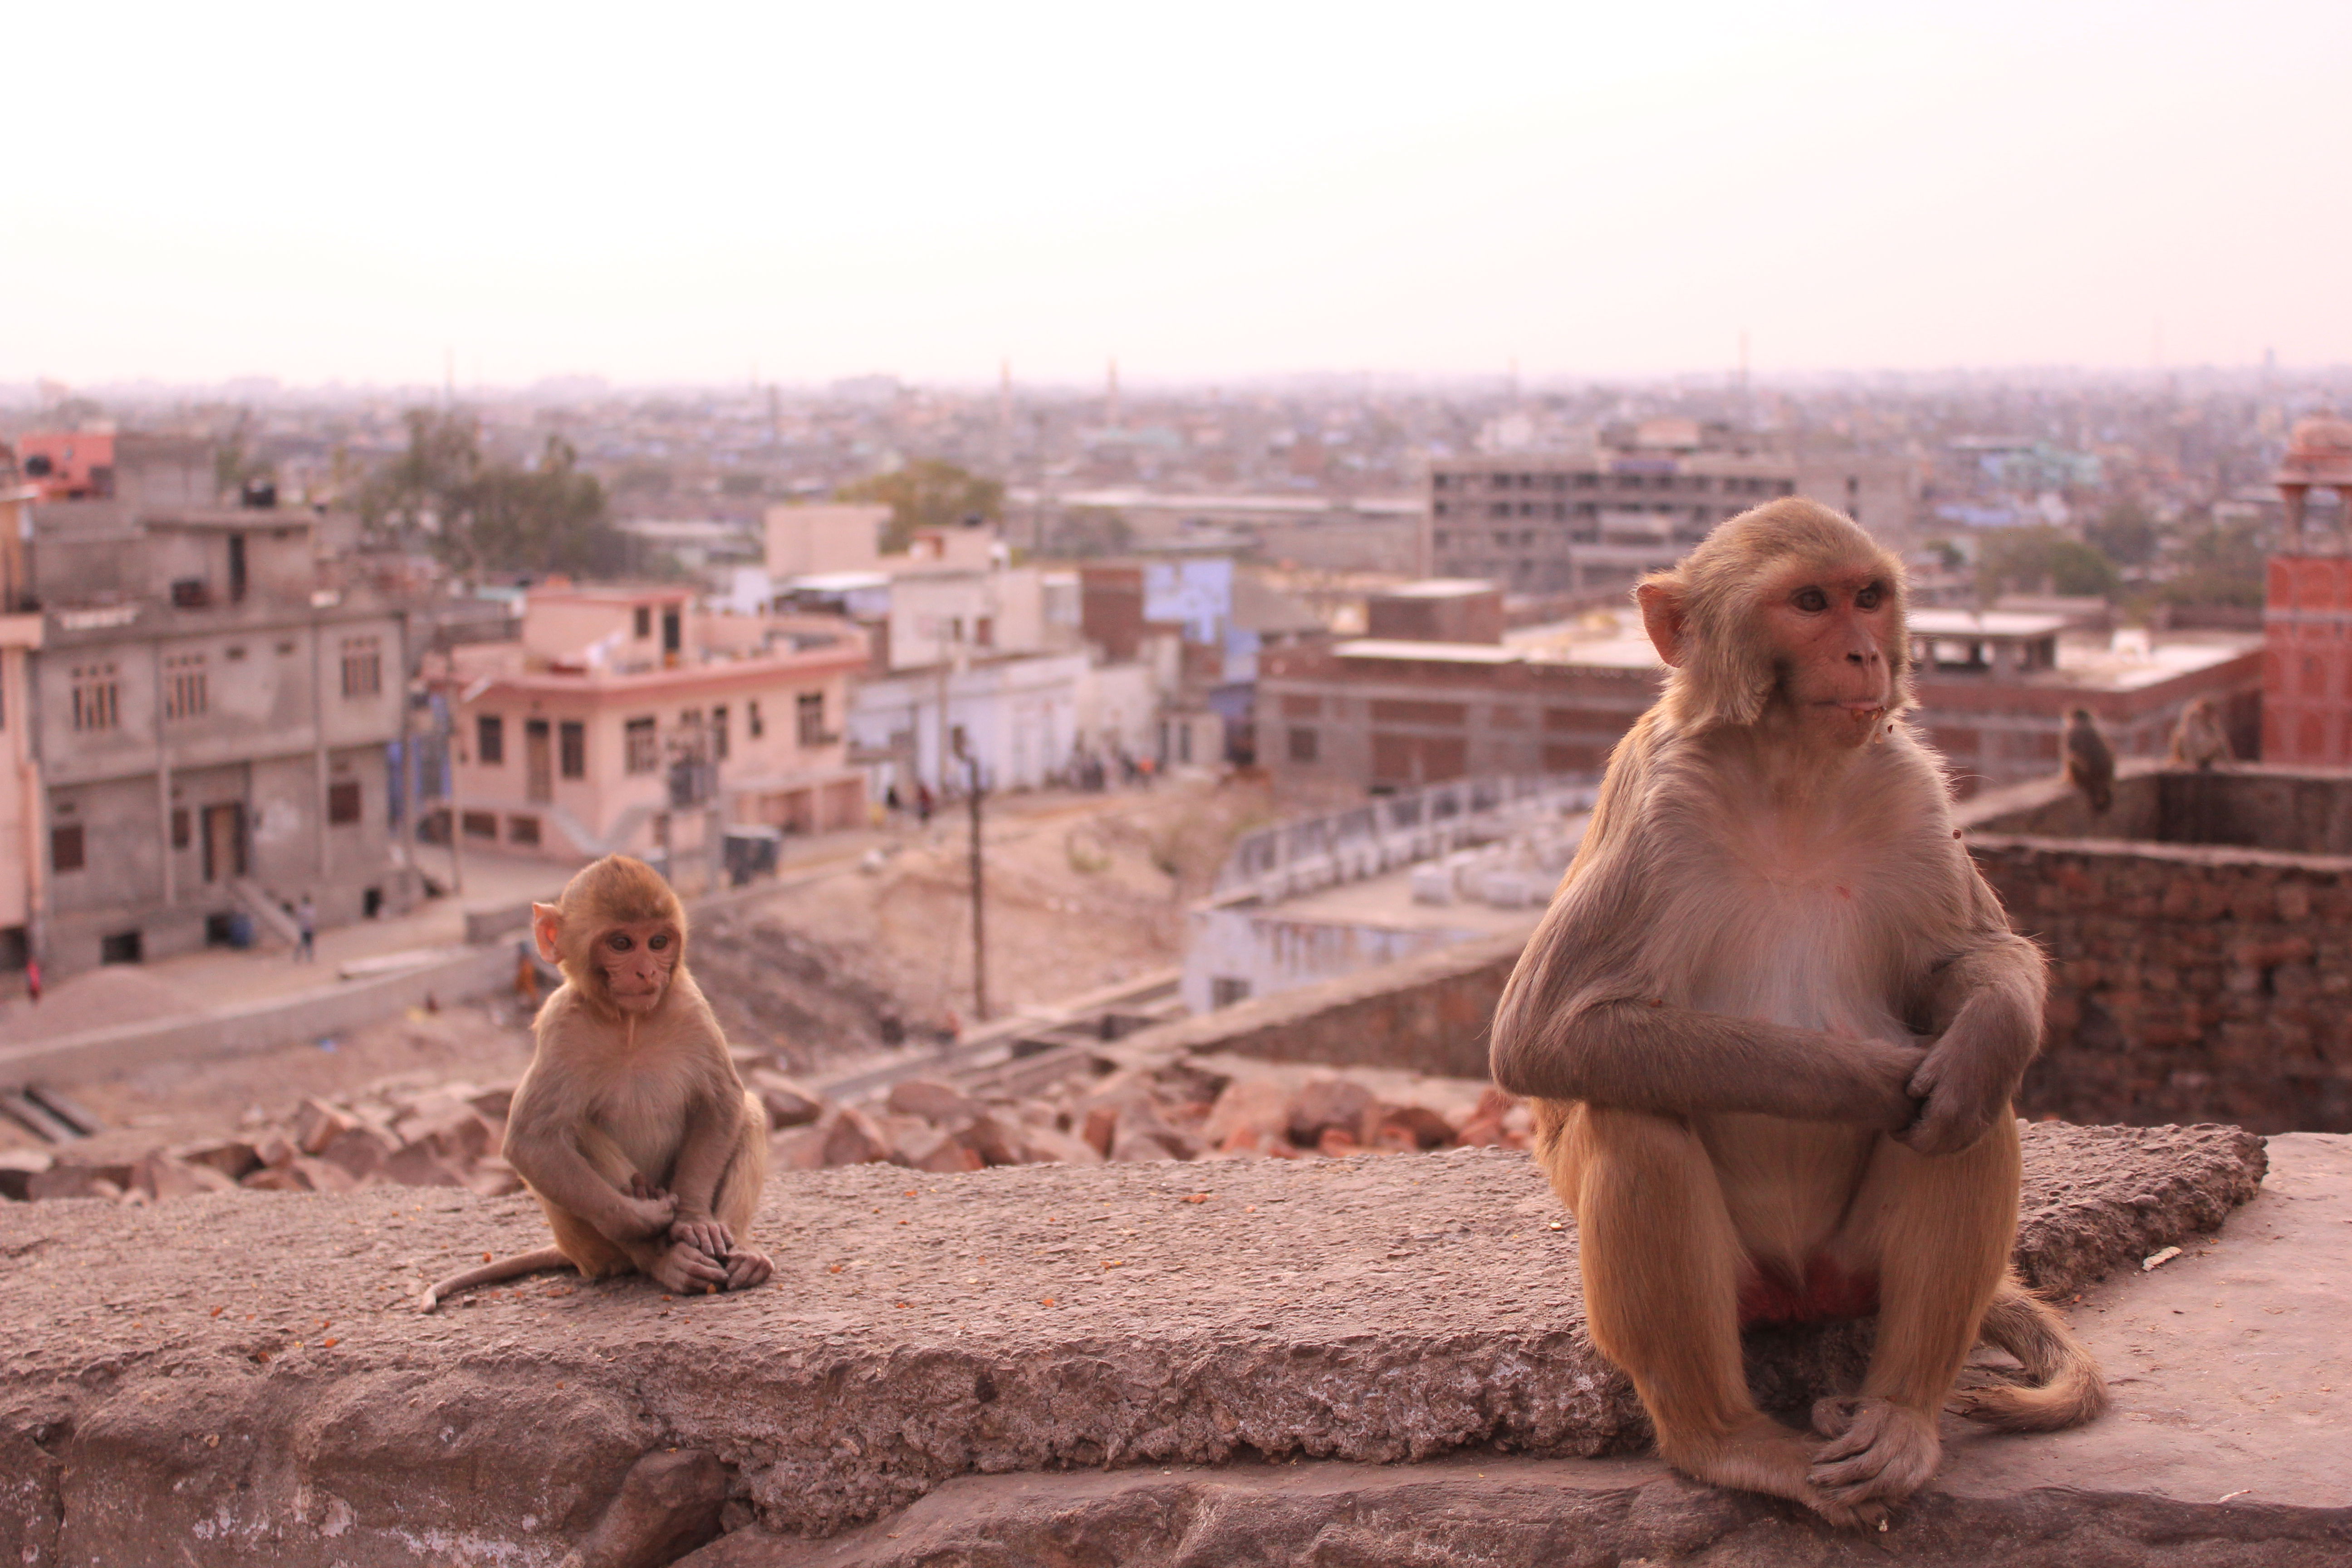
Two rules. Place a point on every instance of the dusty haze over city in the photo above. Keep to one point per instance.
(795, 193)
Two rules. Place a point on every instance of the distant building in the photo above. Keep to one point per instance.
(627, 719)
(23, 854)
(1995, 689)
(806, 540)
(214, 715)
(2307, 657)
(1563, 523)
(1382, 714)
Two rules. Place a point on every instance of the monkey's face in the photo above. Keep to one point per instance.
(1827, 631)
(637, 960)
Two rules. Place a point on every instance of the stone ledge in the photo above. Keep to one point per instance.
(240, 1373)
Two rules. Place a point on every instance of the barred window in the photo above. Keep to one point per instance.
(571, 744)
(96, 699)
(640, 753)
(344, 802)
(66, 847)
(718, 734)
(362, 666)
(185, 693)
(752, 718)
(489, 740)
(809, 711)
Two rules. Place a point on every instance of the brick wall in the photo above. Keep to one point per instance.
(2187, 983)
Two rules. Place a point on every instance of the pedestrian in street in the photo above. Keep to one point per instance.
(306, 920)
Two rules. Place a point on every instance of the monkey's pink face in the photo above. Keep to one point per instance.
(637, 960)
(1829, 633)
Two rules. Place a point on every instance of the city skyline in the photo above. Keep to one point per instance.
(798, 197)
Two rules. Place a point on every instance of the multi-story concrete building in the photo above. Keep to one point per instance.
(213, 723)
(628, 719)
(1563, 523)
(23, 858)
(1383, 713)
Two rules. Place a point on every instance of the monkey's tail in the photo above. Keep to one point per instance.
(2067, 1389)
(512, 1268)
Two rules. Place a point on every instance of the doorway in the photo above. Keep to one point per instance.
(538, 759)
(224, 841)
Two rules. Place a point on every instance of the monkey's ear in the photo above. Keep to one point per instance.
(1662, 617)
(546, 924)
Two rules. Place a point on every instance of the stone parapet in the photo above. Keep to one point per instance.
(238, 1377)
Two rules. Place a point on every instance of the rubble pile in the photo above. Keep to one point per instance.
(450, 1136)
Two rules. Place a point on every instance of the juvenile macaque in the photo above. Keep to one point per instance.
(1772, 1024)
(631, 1126)
(2090, 760)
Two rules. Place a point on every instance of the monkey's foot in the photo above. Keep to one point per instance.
(1764, 1457)
(687, 1270)
(1878, 1451)
(745, 1269)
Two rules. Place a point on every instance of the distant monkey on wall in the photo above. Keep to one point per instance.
(1772, 1024)
(631, 1126)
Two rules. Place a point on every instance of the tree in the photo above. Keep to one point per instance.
(2125, 533)
(428, 489)
(2042, 560)
(483, 516)
(547, 518)
(926, 494)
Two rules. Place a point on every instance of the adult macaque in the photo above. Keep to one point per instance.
(1772, 1024)
(2198, 740)
(2090, 760)
(630, 1126)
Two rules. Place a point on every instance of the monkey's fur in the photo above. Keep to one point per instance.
(630, 1126)
(1772, 1024)
(2090, 762)
(2198, 740)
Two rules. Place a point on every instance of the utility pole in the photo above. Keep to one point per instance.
(979, 927)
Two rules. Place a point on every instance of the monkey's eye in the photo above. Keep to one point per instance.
(1812, 600)
(619, 941)
(658, 940)
(1869, 597)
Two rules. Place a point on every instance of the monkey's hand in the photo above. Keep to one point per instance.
(646, 1218)
(703, 1233)
(1963, 1087)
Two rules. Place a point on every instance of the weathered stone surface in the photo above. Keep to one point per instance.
(2227, 1448)
(239, 1374)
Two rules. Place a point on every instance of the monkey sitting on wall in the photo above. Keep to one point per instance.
(2198, 740)
(1772, 1024)
(630, 1126)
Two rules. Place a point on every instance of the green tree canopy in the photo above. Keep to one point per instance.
(2125, 533)
(926, 494)
(2042, 560)
(489, 516)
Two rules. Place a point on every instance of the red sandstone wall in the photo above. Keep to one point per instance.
(2188, 983)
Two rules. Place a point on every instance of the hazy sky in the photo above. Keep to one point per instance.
(1205, 190)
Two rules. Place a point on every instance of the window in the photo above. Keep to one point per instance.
(639, 755)
(65, 847)
(571, 744)
(481, 825)
(185, 694)
(752, 718)
(362, 666)
(490, 741)
(179, 827)
(1224, 990)
(673, 624)
(718, 734)
(523, 830)
(810, 708)
(97, 703)
(644, 619)
(344, 802)
(1305, 745)
(983, 631)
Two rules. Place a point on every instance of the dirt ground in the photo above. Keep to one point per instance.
(1076, 895)
(1080, 893)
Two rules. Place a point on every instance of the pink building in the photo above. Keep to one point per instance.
(2307, 611)
(629, 719)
